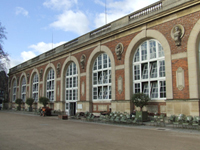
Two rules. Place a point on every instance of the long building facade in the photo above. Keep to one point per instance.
(154, 50)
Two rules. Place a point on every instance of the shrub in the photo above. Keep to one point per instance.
(44, 101)
(18, 101)
(140, 100)
(29, 101)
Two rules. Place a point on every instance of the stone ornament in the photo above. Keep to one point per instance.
(120, 84)
(180, 80)
(82, 61)
(119, 50)
(58, 69)
(83, 88)
(177, 34)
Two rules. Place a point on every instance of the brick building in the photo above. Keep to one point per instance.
(154, 50)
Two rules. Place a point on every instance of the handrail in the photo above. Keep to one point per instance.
(147, 10)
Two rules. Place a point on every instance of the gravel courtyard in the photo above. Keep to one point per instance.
(31, 132)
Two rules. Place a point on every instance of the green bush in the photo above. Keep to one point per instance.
(29, 101)
(44, 101)
(18, 101)
(140, 100)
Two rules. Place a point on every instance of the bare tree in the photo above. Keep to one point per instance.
(4, 60)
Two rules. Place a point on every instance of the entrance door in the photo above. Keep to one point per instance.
(72, 108)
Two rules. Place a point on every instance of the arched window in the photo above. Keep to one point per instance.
(14, 90)
(50, 85)
(149, 70)
(101, 78)
(23, 89)
(35, 87)
(71, 84)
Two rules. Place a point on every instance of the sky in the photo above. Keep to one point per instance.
(36, 26)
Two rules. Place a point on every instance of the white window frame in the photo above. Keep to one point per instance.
(152, 78)
(71, 83)
(14, 90)
(35, 87)
(23, 89)
(101, 78)
(50, 84)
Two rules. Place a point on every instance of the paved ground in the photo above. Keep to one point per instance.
(31, 132)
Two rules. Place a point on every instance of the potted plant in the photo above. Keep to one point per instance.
(44, 101)
(19, 102)
(29, 102)
(141, 100)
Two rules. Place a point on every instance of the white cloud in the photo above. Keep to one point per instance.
(42, 47)
(117, 9)
(37, 49)
(69, 20)
(26, 55)
(59, 4)
(72, 21)
(22, 11)
(14, 62)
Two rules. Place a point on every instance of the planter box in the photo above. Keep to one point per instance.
(30, 109)
(19, 108)
(63, 117)
(142, 114)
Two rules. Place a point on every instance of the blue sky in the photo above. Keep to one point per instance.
(30, 24)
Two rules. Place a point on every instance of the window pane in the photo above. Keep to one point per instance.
(95, 65)
(109, 76)
(162, 89)
(105, 92)
(105, 77)
(74, 68)
(105, 63)
(70, 69)
(160, 50)
(67, 82)
(109, 62)
(154, 90)
(137, 88)
(137, 72)
(94, 78)
(94, 93)
(152, 46)
(110, 92)
(100, 62)
(154, 70)
(74, 94)
(144, 51)
(67, 95)
(100, 78)
(100, 93)
(67, 106)
(74, 81)
(145, 87)
(162, 68)
(145, 71)
(137, 56)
